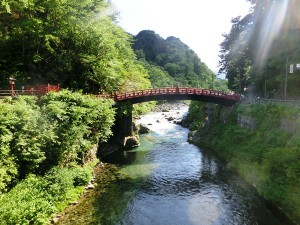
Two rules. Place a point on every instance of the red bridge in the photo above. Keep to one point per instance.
(178, 93)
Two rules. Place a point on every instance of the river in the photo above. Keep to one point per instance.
(169, 181)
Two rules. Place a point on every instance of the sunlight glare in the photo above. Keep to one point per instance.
(270, 29)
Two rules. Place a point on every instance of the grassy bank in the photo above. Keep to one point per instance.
(267, 156)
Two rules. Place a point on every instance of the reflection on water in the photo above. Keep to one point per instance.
(184, 185)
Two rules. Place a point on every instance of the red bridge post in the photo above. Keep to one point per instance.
(177, 87)
(115, 96)
(11, 81)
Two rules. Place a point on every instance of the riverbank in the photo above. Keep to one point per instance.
(86, 210)
(263, 148)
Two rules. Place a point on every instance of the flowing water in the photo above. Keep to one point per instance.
(169, 181)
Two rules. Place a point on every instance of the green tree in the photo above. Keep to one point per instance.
(24, 133)
(157, 75)
(176, 58)
(235, 55)
(74, 43)
(79, 121)
(256, 50)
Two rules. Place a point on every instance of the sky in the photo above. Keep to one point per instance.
(197, 23)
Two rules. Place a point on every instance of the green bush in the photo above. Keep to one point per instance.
(36, 198)
(23, 134)
(27, 203)
(81, 177)
(79, 121)
(58, 129)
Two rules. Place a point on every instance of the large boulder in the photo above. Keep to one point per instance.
(194, 137)
(186, 121)
(131, 142)
(143, 129)
(170, 118)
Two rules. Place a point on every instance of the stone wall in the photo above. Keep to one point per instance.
(247, 122)
(289, 125)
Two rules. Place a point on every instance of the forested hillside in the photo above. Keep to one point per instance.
(171, 61)
(174, 57)
(260, 47)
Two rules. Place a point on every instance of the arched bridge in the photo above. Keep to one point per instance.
(123, 124)
(178, 93)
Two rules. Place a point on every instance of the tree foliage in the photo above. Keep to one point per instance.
(78, 121)
(36, 198)
(23, 133)
(172, 60)
(58, 129)
(74, 43)
(258, 47)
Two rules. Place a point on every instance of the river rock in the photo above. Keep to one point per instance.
(186, 121)
(170, 118)
(131, 142)
(143, 129)
(114, 144)
(90, 186)
(194, 137)
(54, 220)
(178, 122)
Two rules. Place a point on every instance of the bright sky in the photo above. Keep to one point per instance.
(198, 23)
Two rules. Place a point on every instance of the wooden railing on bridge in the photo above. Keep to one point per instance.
(30, 90)
(175, 91)
(44, 89)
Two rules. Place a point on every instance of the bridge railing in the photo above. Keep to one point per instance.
(175, 90)
(30, 90)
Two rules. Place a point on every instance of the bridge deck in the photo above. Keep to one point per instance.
(174, 93)
(178, 93)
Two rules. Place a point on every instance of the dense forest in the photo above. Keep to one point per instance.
(257, 52)
(169, 61)
(174, 57)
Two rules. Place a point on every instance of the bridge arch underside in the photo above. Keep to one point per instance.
(203, 98)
